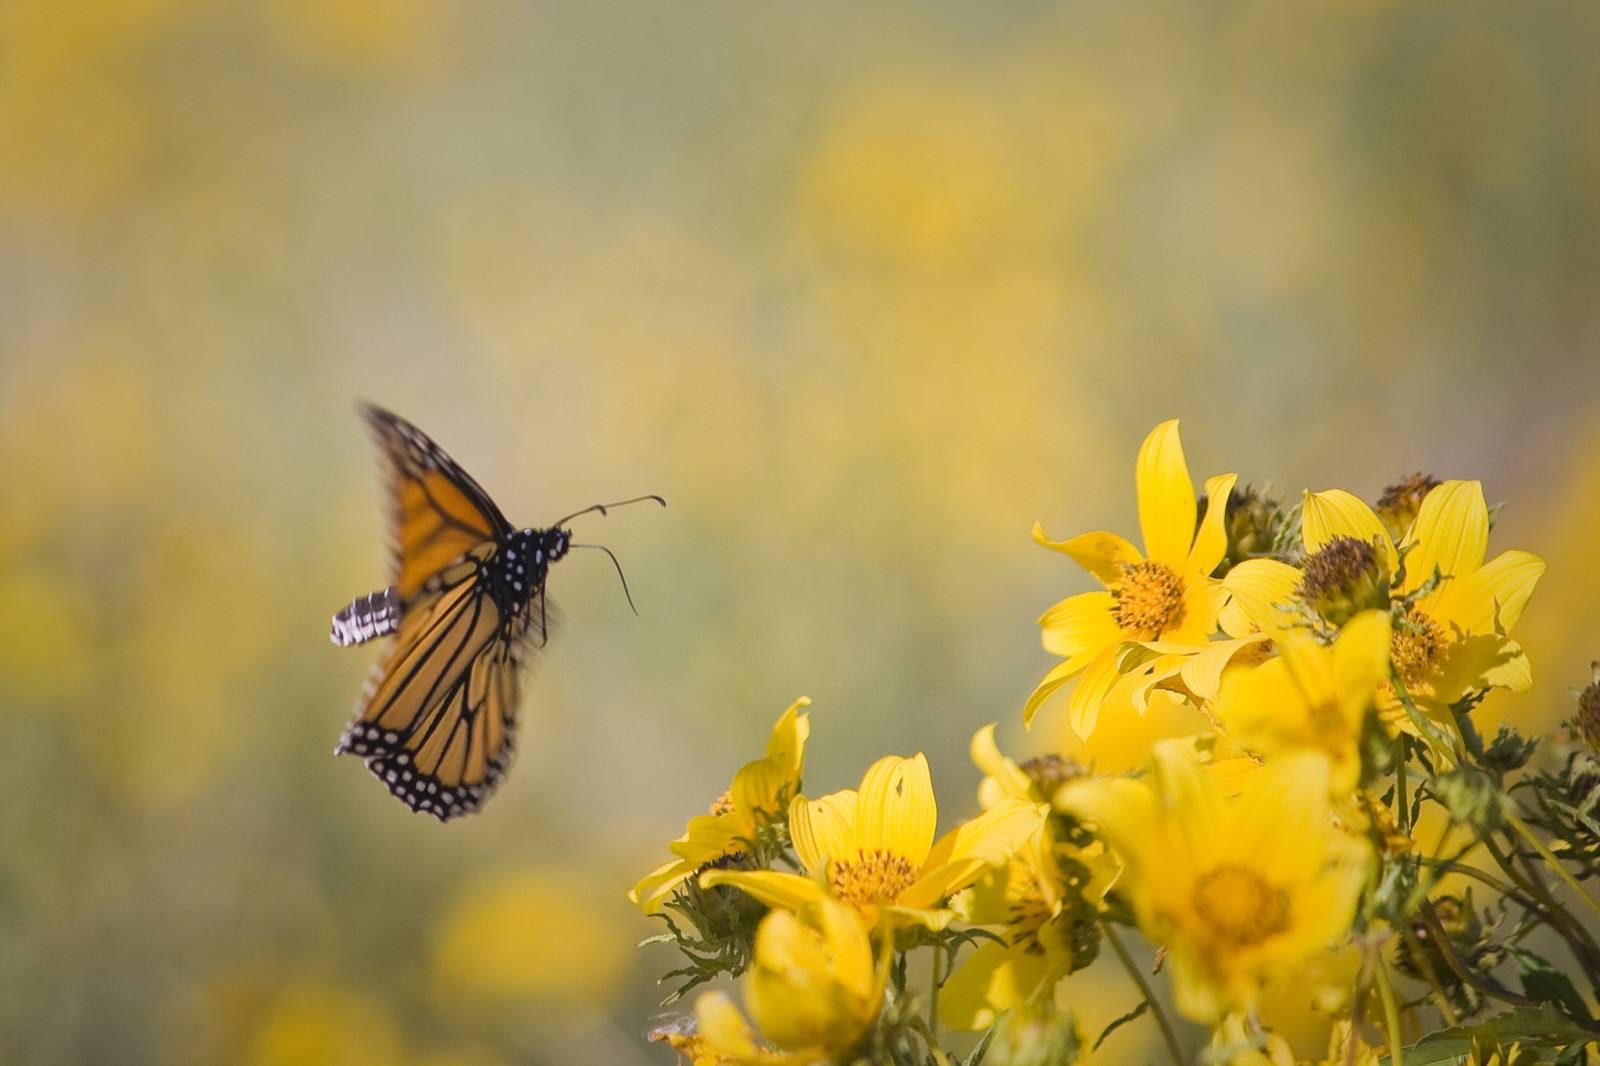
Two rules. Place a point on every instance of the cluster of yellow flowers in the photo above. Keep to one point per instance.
(1336, 652)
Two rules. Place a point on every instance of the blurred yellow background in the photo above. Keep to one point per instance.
(864, 291)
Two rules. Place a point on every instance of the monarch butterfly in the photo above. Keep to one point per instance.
(437, 722)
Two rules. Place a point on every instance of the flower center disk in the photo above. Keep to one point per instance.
(1239, 906)
(1148, 597)
(1417, 648)
(876, 878)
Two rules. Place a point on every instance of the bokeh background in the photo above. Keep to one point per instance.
(863, 290)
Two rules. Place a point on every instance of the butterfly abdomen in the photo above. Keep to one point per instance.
(367, 618)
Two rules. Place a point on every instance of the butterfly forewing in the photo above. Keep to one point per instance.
(439, 513)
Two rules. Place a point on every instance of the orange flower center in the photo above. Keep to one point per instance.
(876, 878)
(1239, 906)
(723, 804)
(1147, 598)
(1417, 647)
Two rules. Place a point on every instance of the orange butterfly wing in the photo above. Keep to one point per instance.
(439, 512)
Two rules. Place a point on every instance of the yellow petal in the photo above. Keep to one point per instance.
(1166, 497)
(788, 737)
(1497, 592)
(1098, 553)
(1084, 705)
(1202, 673)
(720, 1025)
(1513, 675)
(1185, 783)
(934, 918)
(1336, 513)
(765, 785)
(1122, 809)
(1484, 660)
(995, 836)
(811, 985)
(708, 836)
(824, 828)
(1079, 624)
(986, 755)
(994, 978)
(772, 887)
(1203, 598)
(1052, 683)
(1211, 542)
(1257, 587)
(654, 888)
(1360, 661)
(895, 811)
(1451, 533)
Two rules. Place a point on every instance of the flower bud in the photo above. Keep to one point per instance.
(1343, 578)
(1399, 504)
(1588, 720)
(1038, 1036)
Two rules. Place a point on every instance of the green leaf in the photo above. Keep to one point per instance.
(1143, 1006)
(1541, 980)
(982, 1046)
(1541, 1026)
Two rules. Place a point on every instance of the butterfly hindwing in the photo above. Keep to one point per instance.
(438, 723)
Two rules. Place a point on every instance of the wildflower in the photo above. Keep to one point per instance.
(1449, 638)
(874, 849)
(815, 987)
(1043, 937)
(760, 794)
(1311, 696)
(1238, 890)
(1044, 902)
(1168, 596)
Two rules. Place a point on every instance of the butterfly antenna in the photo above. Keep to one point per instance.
(614, 562)
(603, 508)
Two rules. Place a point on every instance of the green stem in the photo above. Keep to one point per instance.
(1134, 972)
(1400, 783)
(1391, 1013)
(1426, 966)
(1550, 859)
(933, 993)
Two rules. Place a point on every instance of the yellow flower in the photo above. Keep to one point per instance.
(1452, 640)
(1239, 888)
(1311, 696)
(1168, 596)
(760, 794)
(1043, 900)
(874, 849)
(815, 985)
(1035, 950)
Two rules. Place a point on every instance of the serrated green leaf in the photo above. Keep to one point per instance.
(1541, 980)
(1541, 1026)
(1143, 1006)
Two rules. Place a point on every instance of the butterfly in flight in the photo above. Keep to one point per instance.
(437, 722)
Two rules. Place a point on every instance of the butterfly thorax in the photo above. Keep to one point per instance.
(514, 574)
